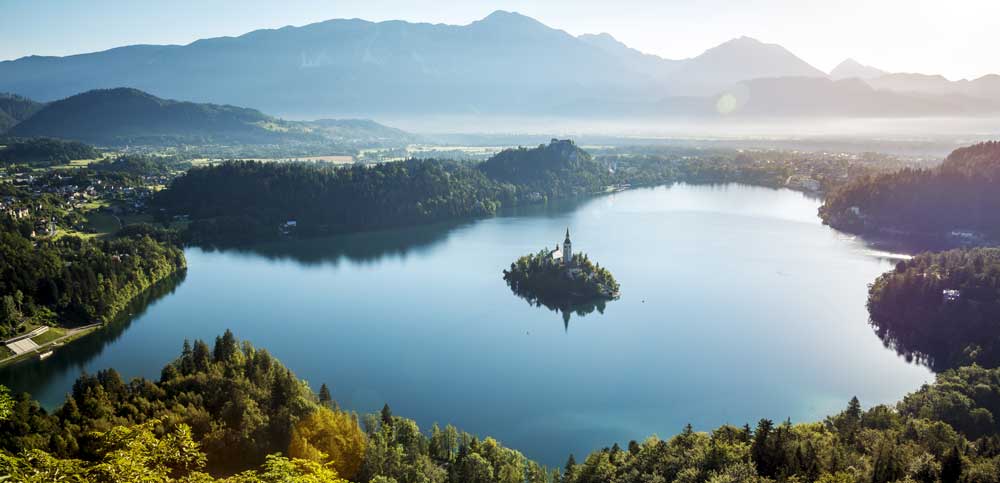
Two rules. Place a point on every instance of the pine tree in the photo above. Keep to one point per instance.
(201, 356)
(324, 396)
(386, 415)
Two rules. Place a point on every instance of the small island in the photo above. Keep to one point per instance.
(560, 278)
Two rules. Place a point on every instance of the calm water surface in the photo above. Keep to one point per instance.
(736, 304)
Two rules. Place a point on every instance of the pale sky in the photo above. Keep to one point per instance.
(956, 38)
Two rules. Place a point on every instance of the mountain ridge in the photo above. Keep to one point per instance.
(505, 64)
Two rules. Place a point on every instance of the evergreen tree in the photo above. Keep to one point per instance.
(386, 415)
(324, 395)
(951, 467)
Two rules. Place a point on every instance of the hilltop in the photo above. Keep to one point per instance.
(126, 116)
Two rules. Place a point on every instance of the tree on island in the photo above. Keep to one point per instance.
(562, 280)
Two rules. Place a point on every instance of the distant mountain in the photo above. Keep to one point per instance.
(120, 116)
(734, 61)
(130, 116)
(851, 68)
(654, 66)
(361, 131)
(504, 64)
(985, 87)
(14, 109)
(802, 96)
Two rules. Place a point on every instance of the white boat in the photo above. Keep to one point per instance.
(44, 355)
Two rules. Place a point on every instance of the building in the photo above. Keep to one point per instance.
(567, 251)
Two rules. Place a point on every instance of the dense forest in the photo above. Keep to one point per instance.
(69, 280)
(233, 411)
(559, 169)
(41, 152)
(245, 200)
(960, 195)
(941, 308)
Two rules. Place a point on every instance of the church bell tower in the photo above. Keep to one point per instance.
(567, 250)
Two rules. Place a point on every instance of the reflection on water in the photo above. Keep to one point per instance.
(740, 305)
(566, 309)
(31, 374)
(364, 247)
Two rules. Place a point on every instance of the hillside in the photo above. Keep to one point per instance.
(45, 152)
(125, 116)
(129, 116)
(959, 199)
(14, 109)
(912, 314)
(559, 168)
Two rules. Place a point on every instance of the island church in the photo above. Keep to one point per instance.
(565, 254)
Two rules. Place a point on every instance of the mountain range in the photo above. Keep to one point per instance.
(504, 64)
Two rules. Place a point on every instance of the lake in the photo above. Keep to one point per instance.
(736, 304)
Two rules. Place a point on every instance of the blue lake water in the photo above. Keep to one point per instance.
(737, 304)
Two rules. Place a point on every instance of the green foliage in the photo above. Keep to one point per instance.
(559, 169)
(910, 311)
(14, 109)
(332, 438)
(244, 200)
(239, 201)
(81, 281)
(544, 280)
(961, 194)
(39, 152)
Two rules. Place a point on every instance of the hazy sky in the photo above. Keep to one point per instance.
(957, 38)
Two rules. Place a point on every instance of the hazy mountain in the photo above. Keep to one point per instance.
(851, 68)
(986, 87)
(734, 61)
(921, 83)
(504, 64)
(654, 66)
(129, 116)
(361, 131)
(14, 109)
(801, 96)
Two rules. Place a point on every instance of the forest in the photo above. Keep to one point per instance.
(232, 412)
(74, 281)
(942, 309)
(959, 195)
(42, 152)
(241, 201)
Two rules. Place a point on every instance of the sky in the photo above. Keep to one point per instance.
(955, 38)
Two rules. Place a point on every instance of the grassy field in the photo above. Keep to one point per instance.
(49, 336)
(77, 163)
(103, 223)
(5, 352)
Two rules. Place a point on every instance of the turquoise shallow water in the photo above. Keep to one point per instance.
(737, 304)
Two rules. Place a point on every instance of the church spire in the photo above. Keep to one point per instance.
(567, 234)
